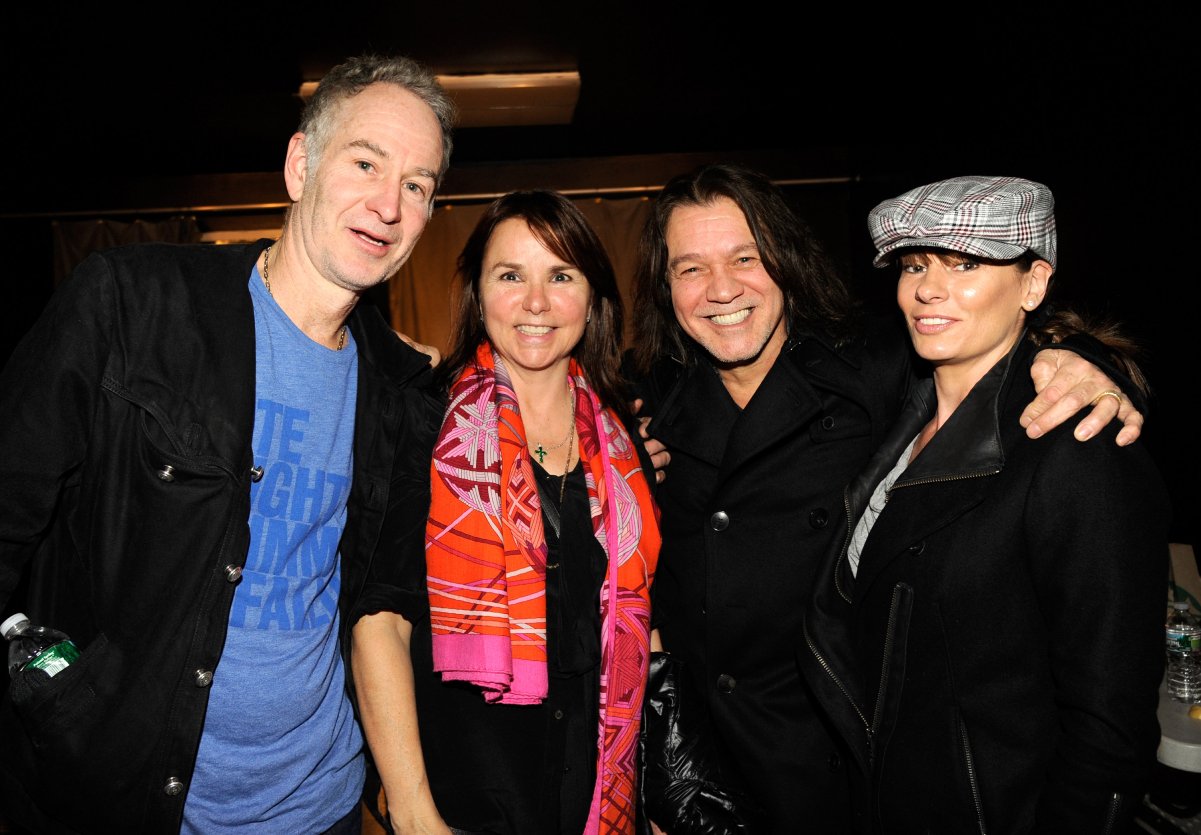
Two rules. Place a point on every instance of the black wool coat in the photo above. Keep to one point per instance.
(749, 506)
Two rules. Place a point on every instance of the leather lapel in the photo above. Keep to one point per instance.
(950, 476)
(916, 414)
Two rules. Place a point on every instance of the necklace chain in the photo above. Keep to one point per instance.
(541, 450)
(567, 466)
(267, 284)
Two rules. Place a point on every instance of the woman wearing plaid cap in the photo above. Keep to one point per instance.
(989, 637)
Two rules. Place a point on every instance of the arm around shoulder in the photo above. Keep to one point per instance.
(1086, 366)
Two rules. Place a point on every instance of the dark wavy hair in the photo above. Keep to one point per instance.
(816, 298)
(560, 226)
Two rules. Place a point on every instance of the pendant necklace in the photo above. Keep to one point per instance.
(541, 450)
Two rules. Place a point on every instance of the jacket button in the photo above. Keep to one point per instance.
(166, 473)
(558, 714)
(719, 521)
(204, 678)
(828, 422)
(818, 518)
(918, 549)
(256, 473)
(834, 761)
(233, 573)
(173, 787)
(726, 683)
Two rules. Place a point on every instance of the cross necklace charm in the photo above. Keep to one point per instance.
(541, 450)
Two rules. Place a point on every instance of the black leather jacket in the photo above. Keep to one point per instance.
(126, 417)
(994, 663)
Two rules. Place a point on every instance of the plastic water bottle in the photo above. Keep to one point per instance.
(36, 647)
(1184, 655)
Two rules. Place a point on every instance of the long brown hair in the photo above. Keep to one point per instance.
(816, 299)
(562, 228)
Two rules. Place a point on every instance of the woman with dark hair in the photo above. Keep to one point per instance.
(524, 634)
(988, 634)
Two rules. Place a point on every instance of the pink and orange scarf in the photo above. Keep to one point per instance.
(486, 564)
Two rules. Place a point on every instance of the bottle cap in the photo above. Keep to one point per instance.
(12, 623)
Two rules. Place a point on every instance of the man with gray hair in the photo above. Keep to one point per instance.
(202, 449)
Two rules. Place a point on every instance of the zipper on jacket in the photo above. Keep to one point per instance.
(941, 479)
(846, 544)
(1111, 819)
(885, 666)
(825, 665)
(971, 776)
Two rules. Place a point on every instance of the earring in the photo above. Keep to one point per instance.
(589, 318)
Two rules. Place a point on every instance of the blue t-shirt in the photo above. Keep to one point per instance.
(281, 752)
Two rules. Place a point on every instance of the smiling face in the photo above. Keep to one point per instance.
(359, 212)
(964, 313)
(721, 292)
(535, 306)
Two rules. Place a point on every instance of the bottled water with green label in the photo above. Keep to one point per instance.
(1184, 655)
(36, 647)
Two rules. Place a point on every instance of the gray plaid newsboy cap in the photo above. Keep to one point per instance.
(989, 217)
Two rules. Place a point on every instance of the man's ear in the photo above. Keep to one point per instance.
(296, 166)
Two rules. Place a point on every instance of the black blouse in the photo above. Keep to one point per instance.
(526, 768)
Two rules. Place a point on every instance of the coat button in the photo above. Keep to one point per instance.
(818, 518)
(166, 473)
(719, 521)
(233, 573)
(828, 422)
(204, 678)
(918, 549)
(558, 714)
(173, 787)
(256, 473)
(726, 683)
(833, 761)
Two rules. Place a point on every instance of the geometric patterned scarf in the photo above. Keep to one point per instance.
(486, 564)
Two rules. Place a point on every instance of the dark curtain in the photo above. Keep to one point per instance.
(75, 240)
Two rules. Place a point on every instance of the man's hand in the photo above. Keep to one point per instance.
(1067, 383)
(660, 457)
(429, 350)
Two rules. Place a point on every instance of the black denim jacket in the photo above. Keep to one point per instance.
(126, 417)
